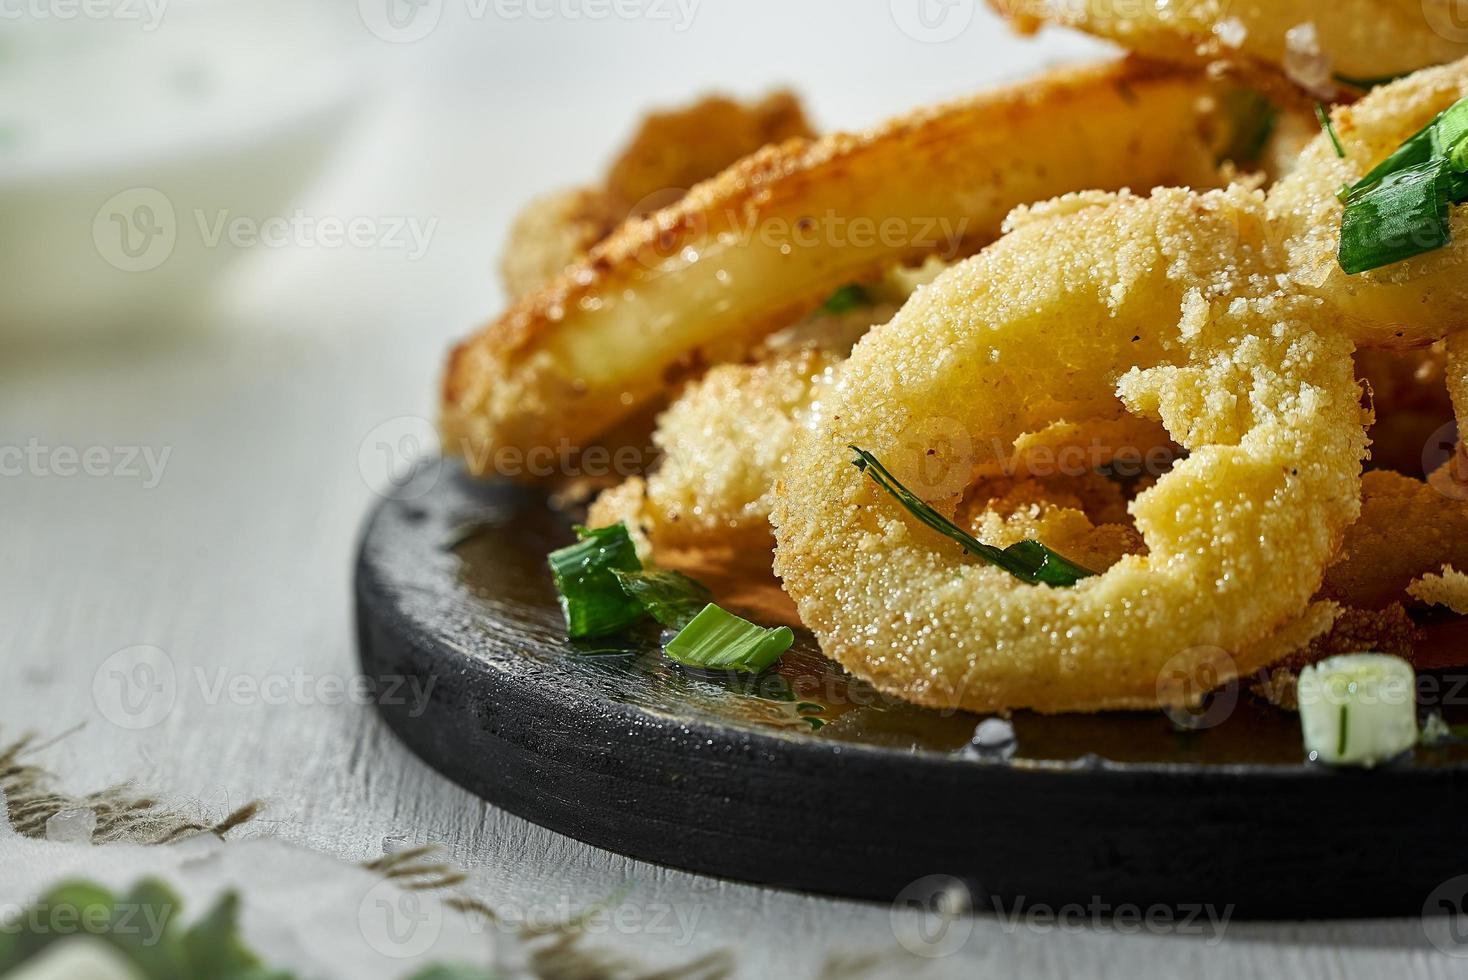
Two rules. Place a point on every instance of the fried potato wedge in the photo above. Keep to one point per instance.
(773, 236)
(1354, 42)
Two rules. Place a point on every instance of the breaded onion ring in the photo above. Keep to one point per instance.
(741, 255)
(1347, 40)
(1172, 298)
(1182, 305)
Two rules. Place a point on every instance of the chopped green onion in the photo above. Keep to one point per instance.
(1366, 84)
(669, 597)
(1450, 136)
(719, 640)
(1406, 214)
(585, 575)
(1251, 119)
(846, 299)
(1329, 128)
(1415, 151)
(1358, 709)
(1029, 561)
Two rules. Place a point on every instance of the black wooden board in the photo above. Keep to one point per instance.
(611, 744)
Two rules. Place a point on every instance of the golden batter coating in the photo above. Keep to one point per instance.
(744, 254)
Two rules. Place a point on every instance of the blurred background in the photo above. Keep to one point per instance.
(236, 240)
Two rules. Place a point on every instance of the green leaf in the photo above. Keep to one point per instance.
(1251, 120)
(845, 299)
(68, 909)
(669, 597)
(454, 971)
(1450, 136)
(1368, 83)
(1417, 150)
(142, 926)
(591, 597)
(213, 948)
(1406, 214)
(720, 640)
(1029, 561)
(1329, 128)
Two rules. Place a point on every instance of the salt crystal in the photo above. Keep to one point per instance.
(1231, 31)
(1304, 62)
(74, 826)
(395, 844)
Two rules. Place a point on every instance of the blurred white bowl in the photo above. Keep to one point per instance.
(125, 139)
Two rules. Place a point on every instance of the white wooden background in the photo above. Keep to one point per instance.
(237, 563)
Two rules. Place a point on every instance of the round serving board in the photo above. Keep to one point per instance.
(809, 779)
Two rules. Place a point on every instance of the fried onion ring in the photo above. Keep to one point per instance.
(1266, 406)
(1182, 304)
(1360, 40)
(700, 282)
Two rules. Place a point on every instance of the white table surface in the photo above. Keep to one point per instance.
(237, 563)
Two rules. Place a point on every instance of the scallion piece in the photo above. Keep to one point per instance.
(1251, 120)
(1417, 149)
(1358, 709)
(719, 640)
(1329, 128)
(585, 575)
(845, 299)
(669, 597)
(1366, 84)
(1406, 214)
(1450, 136)
(1029, 561)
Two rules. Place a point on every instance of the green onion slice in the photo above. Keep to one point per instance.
(719, 640)
(845, 299)
(1415, 151)
(1251, 119)
(1029, 561)
(1329, 128)
(1367, 83)
(671, 598)
(1450, 136)
(592, 599)
(1406, 214)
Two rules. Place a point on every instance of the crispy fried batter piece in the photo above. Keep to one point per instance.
(1322, 45)
(1406, 529)
(1386, 630)
(1449, 588)
(772, 237)
(670, 152)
